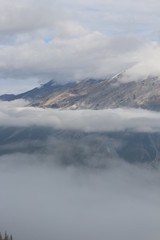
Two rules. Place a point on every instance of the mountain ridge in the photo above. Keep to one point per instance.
(95, 94)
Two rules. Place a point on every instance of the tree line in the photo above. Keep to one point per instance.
(6, 236)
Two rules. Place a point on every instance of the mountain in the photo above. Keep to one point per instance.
(37, 94)
(71, 147)
(95, 94)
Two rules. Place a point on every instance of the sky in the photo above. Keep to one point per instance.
(68, 40)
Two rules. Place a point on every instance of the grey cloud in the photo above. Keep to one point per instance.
(24, 16)
(96, 14)
(90, 55)
(40, 202)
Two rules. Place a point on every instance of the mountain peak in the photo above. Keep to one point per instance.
(50, 83)
(95, 94)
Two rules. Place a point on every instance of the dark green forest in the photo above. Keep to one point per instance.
(6, 236)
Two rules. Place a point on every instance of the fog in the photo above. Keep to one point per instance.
(47, 201)
(63, 177)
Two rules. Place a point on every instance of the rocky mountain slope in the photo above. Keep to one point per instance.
(95, 94)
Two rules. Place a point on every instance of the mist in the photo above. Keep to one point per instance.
(40, 200)
(19, 114)
(67, 175)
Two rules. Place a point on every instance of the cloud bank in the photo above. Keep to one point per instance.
(17, 114)
(40, 202)
(91, 54)
(43, 198)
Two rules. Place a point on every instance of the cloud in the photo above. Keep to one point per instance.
(76, 54)
(17, 114)
(89, 39)
(40, 201)
(44, 14)
(24, 16)
(147, 64)
(91, 54)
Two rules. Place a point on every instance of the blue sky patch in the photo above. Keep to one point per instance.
(48, 40)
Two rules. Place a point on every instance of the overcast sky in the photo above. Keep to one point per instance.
(71, 40)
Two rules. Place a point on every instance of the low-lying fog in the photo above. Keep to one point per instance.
(43, 198)
(45, 201)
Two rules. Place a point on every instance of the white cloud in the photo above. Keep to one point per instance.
(147, 64)
(15, 114)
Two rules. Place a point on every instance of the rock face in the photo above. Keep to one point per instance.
(95, 94)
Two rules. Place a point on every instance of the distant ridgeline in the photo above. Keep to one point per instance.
(95, 94)
(6, 237)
